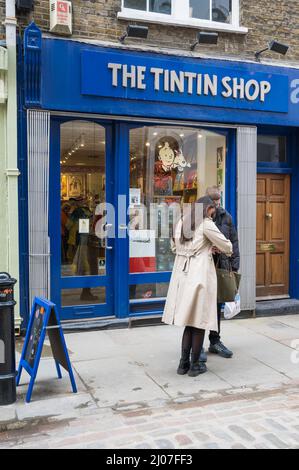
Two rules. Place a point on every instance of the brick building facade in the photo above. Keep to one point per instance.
(97, 20)
(98, 113)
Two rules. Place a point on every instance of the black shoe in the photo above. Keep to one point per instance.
(221, 350)
(197, 368)
(203, 356)
(184, 366)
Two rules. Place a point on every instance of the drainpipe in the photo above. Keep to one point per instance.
(12, 171)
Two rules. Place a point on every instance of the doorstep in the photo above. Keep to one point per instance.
(267, 308)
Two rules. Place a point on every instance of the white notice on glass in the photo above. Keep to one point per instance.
(83, 225)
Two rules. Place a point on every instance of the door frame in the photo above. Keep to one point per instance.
(57, 282)
(291, 168)
(287, 250)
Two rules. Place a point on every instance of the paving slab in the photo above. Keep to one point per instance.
(7, 414)
(69, 405)
(130, 395)
(113, 382)
(47, 383)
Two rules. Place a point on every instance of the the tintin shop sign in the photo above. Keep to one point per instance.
(136, 77)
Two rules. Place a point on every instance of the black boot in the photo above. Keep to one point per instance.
(184, 363)
(196, 367)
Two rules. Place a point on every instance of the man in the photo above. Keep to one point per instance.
(225, 224)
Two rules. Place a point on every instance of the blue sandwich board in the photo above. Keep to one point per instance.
(44, 319)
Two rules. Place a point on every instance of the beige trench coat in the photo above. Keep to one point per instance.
(192, 293)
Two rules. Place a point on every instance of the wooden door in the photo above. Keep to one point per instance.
(272, 236)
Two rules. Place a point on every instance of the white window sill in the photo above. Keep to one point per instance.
(190, 23)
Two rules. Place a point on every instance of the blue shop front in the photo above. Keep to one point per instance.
(111, 135)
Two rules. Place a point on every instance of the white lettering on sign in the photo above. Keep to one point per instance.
(295, 92)
(157, 74)
(172, 81)
(115, 68)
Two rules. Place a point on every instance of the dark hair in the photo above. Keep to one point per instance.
(190, 223)
(173, 144)
(214, 193)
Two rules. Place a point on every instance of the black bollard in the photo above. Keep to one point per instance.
(7, 341)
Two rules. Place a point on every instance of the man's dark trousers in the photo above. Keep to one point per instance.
(214, 336)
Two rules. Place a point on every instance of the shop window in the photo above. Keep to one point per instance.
(83, 164)
(221, 15)
(156, 6)
(168, 167)
(271, 149)
(148, 291)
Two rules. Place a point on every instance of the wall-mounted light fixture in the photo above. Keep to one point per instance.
(273, 46)
(78, 144)
(205, 38)
(134, 31)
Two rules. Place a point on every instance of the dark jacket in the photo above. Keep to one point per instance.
(224, 222)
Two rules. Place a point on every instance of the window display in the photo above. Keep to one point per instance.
(169, 167)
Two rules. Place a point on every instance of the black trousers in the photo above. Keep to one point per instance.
(214, 336)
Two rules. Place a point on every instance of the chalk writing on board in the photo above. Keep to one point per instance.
(35, 333)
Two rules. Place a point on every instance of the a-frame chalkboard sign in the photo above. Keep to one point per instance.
(44, 319)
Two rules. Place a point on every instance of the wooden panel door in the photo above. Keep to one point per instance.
(272, 236)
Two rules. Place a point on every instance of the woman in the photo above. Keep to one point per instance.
(192, 294)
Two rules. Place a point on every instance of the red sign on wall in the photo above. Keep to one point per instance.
(62, 12)
(62, 7)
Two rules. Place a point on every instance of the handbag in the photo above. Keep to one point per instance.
(228, 282)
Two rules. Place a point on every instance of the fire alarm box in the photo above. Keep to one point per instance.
(60, 17)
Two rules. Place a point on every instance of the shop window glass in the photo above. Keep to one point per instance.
(213, 10)
(168, 167)
(84, 296)
(135, 4)
(82, 190)
(148, 291)
(271, 149)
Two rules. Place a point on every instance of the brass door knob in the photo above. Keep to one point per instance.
(269, 216)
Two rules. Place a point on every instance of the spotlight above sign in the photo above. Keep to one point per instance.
(273, 46)
(205, 38)
(134, 31)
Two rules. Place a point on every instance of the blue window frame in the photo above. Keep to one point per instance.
(276, 166)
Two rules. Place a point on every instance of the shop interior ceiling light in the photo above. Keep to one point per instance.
(273, 46)
(205, 38)
(134, 31)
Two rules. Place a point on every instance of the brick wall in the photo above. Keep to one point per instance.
(265, 19)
